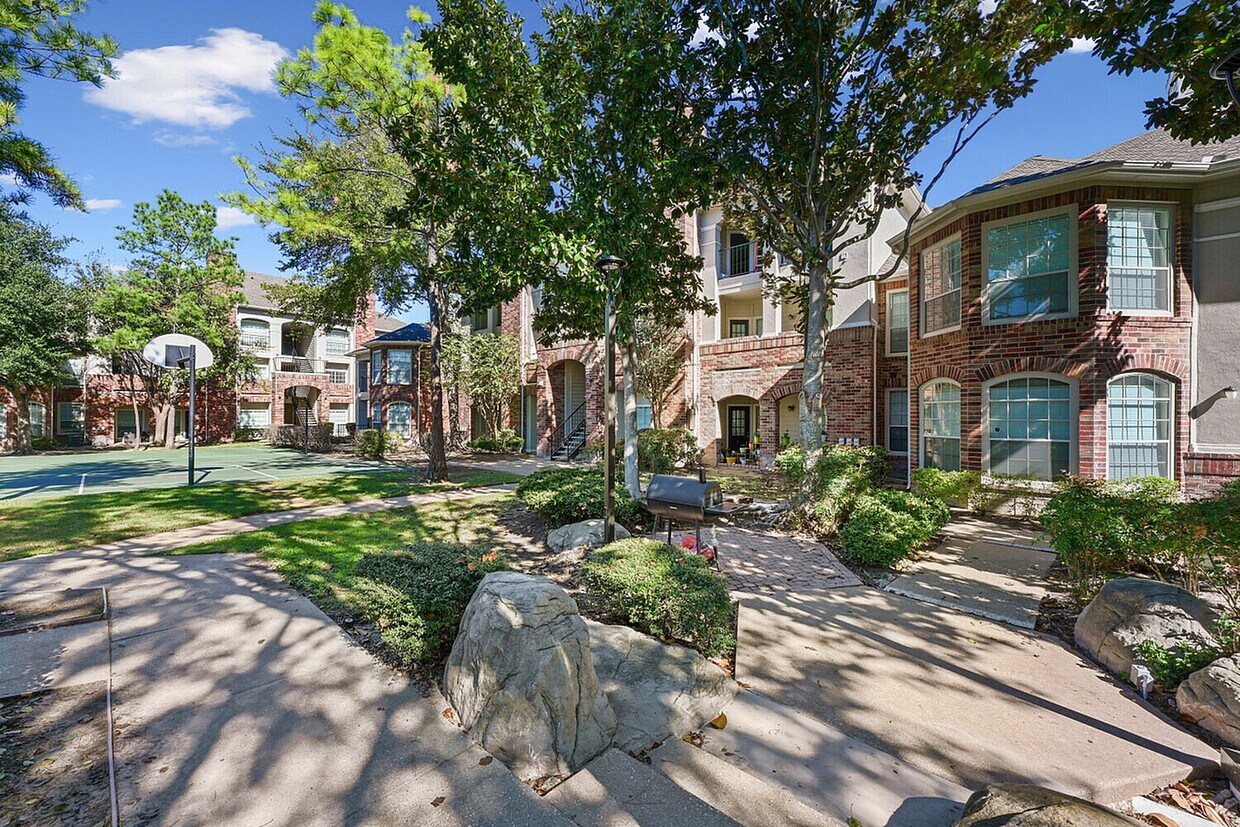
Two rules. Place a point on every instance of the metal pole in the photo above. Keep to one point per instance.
(609, 409)
(305, 445)
(193, 392)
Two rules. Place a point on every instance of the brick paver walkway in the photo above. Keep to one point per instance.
(768, 563)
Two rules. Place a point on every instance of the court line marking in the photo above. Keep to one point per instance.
(82, 483)
(256, 471)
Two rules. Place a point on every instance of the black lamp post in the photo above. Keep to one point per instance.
(610, 267)
(1227, 70)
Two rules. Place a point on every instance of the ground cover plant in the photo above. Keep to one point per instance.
(56, 524)
(569, 495)
(884, 526)
(664, 591)
(503, 441)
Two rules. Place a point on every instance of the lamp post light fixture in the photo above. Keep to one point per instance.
(1230, 392)
(610, 267)
(1227, 70)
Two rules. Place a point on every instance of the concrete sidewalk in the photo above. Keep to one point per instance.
(238, 702)
(967, 699)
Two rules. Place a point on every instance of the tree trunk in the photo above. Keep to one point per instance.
(437, 460)
(813, 409)
(22, 444)
(628, 367)
(137, 419)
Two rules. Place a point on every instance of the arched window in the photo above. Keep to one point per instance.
(400, 418)
(1030, 427)
(1139, 426)
(940, 425)
(255, 333)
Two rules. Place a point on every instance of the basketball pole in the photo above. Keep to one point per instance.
(193, 394)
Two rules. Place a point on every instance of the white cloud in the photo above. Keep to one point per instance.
(987, 7)
(227, 217)
(195, 86)
(9, 179)
(1082, 46)
(182, 139)
(102, 204)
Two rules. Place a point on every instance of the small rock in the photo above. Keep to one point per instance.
(1024, 805)
(1132, 610)
(1211, 697)
(586, 534)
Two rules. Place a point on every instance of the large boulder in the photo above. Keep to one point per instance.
(1023, 805)
(585, 534)
(1211, 697)
(1133, 609)
(522, 680)
(658, 691)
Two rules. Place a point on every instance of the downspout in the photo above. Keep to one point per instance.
(908, 383)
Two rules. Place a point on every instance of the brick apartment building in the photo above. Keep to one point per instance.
(1069, 316)
(95, 405)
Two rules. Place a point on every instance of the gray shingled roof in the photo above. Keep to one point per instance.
(383, 323)
(899, 272)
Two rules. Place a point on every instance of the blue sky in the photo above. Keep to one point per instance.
(194, 90)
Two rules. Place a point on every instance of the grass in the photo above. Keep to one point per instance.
(318, 556)
(61, 523)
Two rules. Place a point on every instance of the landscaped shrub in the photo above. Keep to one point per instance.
(43, 443)
(503, 441)
(953, 487)
(664, 591)
(570, 495)
(417, 597)
(1171, 666)
(885, 526)
(791, 463)
(249, 434)
(667, 450)
(372, 443)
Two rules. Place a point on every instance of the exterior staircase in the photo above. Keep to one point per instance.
(572, 436)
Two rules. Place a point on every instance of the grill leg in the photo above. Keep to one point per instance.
(669, 530)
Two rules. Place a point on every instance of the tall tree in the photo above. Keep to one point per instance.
(492, 374)
(660, 360)
(42, 317)
(625, 91)
(39, 39)
(415, 175)
(181, 279)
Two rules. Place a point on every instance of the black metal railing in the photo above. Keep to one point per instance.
(571, 436)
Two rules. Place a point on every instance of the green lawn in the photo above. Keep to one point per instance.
(48, 525)
(318, 556)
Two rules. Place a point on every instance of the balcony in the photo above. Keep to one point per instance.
(741, 259)
(256, 341)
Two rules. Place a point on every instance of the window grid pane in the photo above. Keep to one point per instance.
(1027, 268)
(1139, 258)
(897, 322)
(337, 342)
(897, 421)
(37, 415)
(399, 417)
(940, 425)
(1138, 427)
(1030, 428)
(940, 286)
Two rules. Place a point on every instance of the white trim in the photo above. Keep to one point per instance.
(1169, 206)
(1171, 421)
(908, 319)
(1074, 286)
(1074, 415)
(958, 238)
(1221, 204)
(1221, 237)
(921, 423)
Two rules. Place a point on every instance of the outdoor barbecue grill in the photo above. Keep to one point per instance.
(688, 500)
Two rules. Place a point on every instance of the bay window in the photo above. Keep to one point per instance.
(940, 287)
(1028, 268)
(1139, 258)
(400, 367)
(400, 418)
(1138, 426)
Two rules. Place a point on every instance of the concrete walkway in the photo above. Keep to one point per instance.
(193, 535)
(237, 701)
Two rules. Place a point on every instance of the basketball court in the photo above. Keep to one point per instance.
(59, 475)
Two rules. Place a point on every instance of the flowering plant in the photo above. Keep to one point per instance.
(689, 543)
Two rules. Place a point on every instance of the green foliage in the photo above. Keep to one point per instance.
(44, 443)
(40, 39)
(417, 597)
(1171, 666)
(955, 487)
(487, 369)
(664, 591)
(884, 526)
(828, 489)
(659, 361)
(372, 443)
(791, 463)
(249, 434)
(568, 495)
(667, 450)
(503, 441)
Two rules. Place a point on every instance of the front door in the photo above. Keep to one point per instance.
(738, 426)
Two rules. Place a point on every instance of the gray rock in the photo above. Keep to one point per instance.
(1133, 609)
(1211, 697)
(585, 534)
(522, 680)
(1023, 805)
(658, 691)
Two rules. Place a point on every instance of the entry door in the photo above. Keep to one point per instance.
(738, 426)
(530, 420)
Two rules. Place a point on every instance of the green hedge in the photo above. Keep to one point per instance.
(667, 450)
(570, 495)
(828, 489)
(417, 597)
(504, 441)
(885, 526)
(664, 591)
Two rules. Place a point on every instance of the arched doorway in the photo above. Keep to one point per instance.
(738, 428)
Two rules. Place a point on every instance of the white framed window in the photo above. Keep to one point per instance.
(338, 416)
(255, 333)
(38, 418)
(645, 416)
(4, 425)
(1028, 268)
(940, 425)
(262, 371)
(400, 418)
(1029, 422)
(897, 323)
(1139, 253)
(376, 367)
(70, 418)
(940, 287)
(337, 373)
(336, 342)
(400, 367)
(1139, 426)
(897, 421)
(254, 415)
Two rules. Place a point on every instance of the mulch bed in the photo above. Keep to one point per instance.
(54, 757)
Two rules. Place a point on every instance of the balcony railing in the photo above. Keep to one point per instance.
(261, 341)
(742, 259)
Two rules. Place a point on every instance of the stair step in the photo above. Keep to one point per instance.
(739, 795)
(615, 790)
(828, 770)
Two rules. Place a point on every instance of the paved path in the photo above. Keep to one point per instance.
(222, 529)
(238, 702)
(767, 563)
